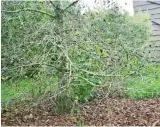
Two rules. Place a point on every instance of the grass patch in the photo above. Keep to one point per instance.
(11, 90)
(16, 91)
(141, 87)
(146, 88)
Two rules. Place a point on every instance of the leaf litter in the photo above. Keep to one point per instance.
(105, 111)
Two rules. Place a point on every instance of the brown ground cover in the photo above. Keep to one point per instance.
(107, 111)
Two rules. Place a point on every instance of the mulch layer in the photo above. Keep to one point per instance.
(106, 111)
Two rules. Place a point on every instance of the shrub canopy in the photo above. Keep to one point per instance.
(82, 51)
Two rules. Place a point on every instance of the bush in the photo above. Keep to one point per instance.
(84, 51)
(109, 50)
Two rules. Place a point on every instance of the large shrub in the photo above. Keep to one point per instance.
(84, 51)
(107, 49)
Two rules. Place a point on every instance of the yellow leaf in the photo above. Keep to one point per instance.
(104, 54)
(134, 60)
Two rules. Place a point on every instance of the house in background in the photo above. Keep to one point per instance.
(153, 9)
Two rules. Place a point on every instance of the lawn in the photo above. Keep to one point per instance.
(21, 89)
(141, 87)
(146, 85)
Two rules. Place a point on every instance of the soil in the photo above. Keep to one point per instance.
(107, 111)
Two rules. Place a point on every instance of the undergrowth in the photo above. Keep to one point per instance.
(138, 87)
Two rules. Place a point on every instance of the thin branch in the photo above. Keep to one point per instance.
(43, 12)
(88, 81)
(99, 74)
(54, 5)
(106, 84)
(32, 10)
(72, 4)
(63, 10)
(70, 66)
(28, 65)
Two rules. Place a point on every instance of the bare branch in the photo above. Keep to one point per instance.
(106, 84)
(72, 4)
(54, 5)
(99, 74)
(32, 10)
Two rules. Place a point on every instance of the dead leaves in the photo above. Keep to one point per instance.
(107, 111)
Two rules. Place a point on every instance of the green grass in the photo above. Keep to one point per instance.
(145, 86)
(19, 89)
(12, 91)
